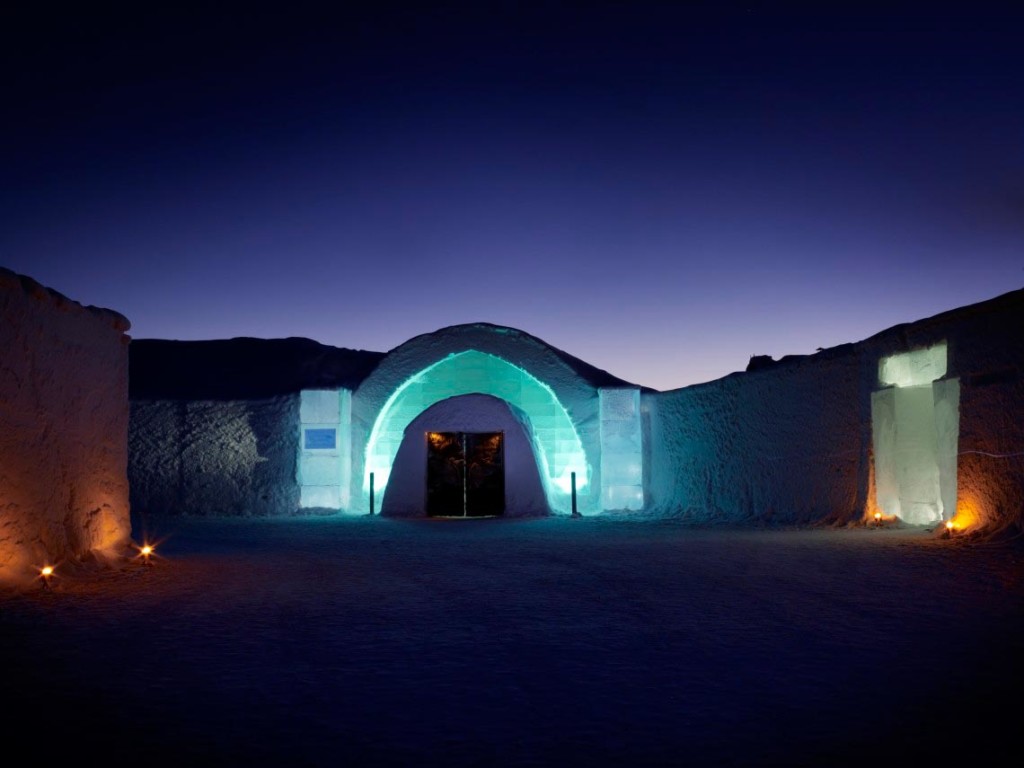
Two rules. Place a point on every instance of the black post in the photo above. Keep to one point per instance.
(371, 493)
(572, 476)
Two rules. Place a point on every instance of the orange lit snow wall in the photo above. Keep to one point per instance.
(63, 428)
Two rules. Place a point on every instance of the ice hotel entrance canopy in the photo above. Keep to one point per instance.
(571, 435)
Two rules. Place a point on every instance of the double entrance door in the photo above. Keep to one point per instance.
(465, 474)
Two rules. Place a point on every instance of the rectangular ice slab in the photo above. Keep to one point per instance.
(324, 462)
(912, 369)
(621, 449)
(915, 431)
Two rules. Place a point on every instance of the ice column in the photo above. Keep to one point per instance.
(325, 445)
(915, 426)
(621, 449)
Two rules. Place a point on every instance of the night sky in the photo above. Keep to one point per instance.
(661, 189)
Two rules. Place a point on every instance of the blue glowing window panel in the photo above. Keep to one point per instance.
(320, 438)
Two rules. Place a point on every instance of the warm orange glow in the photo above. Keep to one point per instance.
(46, 573)
(146, 552)
(878, 517)
(968, 514)
(950, 525)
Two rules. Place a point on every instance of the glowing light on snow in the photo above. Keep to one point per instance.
(146, 552)
(968, 513)
(556, 443)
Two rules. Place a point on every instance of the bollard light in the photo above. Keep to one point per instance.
(146, 553)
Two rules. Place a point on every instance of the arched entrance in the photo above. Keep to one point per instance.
(557, 444)
(476, 415)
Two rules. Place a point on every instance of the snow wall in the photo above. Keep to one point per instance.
(792, 440)
(214, 457)
(781, 445)
(63, 429)
(215, 424)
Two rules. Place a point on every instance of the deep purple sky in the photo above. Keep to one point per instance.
(660, 190)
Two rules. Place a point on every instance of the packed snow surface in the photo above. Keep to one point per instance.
(369, 641)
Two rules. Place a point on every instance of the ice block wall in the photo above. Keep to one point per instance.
(915, 424)
(622, 472)
(325, 448)
(63, 429)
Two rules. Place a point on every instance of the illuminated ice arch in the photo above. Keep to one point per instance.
(555, 440)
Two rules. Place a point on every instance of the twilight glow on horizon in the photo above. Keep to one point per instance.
(660, 190)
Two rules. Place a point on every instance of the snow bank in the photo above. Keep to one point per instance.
(63, 427)
(791, 441)
(214, 457)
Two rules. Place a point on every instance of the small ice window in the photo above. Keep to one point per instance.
(320, 438)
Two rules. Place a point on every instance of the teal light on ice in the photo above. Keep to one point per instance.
(555, 441)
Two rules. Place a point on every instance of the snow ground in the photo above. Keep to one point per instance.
(333, 641)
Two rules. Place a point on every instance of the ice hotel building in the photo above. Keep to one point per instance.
(921, 423)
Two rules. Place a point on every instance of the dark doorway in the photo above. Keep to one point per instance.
(465, 474)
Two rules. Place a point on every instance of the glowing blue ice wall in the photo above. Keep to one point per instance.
(324, 462)
(555, 440)
(622, 468)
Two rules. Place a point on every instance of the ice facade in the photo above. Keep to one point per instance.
(622, 473)
(324, 459)
(915, 429)
(559, 450)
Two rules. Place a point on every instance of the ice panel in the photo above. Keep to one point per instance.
(320, 496)
(319, 470)
(319, 405)
(922, 366)
(883, 433)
